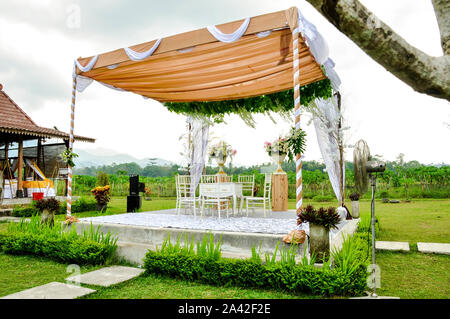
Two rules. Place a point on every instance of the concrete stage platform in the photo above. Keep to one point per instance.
(139, 232)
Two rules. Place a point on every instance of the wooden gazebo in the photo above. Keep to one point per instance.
(255, 56)
(16, 127)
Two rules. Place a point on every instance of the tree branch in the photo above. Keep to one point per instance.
(423, 73)
(442, 11)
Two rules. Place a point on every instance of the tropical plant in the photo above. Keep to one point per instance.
(50, 204)
(48, 207)
(102, 194)
(326, 217)
(68, 157)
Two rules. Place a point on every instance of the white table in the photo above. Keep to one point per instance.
(231, 189)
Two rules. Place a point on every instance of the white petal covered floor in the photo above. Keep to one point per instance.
(232, 224)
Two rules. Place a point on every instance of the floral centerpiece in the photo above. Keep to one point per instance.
(102, 196)
(220, 152)
(289, 145)
(278, 151)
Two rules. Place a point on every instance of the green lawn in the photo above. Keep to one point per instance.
(414, 275)
(154, 287)
(118, 205)
(23, 272)
(406, 275)
(425, 220)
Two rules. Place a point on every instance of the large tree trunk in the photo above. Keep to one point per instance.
(424, 73)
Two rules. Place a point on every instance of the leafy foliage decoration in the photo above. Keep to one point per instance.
(280, 102)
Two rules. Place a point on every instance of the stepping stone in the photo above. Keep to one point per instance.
(392, 245)
(108, 276)
(53, 290)
(434, 248)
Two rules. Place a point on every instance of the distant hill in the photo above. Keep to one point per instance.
(100, 156)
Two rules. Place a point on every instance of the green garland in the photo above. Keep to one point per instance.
(281, 102)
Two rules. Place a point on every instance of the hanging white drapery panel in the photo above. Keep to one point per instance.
(326, 123)
(200, 134)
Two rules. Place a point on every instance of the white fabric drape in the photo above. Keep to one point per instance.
(319, 49)
(327, 130)
(200, 134)
(229, 37)
(332, 75)
(138, 56)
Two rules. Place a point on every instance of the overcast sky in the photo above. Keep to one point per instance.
(40, 39)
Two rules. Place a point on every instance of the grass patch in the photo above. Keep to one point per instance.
(414, 275)
(118, 205)
(425, 220)
(23, 272)
(158, 287)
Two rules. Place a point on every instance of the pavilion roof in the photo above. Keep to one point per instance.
(196, 66)
(14, 120)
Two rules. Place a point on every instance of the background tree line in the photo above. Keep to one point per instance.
(401, 179)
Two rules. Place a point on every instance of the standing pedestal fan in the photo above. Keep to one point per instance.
(365, 169)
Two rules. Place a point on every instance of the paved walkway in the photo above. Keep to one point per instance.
(434, 248)
(56, 290)
(392, 245)
(53, 290)
(108, 276)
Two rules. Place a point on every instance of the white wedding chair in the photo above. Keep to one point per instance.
(214, 197)
(207, 179)
(248, 185)
(266, 200)
(184, 190)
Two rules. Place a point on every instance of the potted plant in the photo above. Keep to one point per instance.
(148, 193)
(102, 196)
(48, 207)
(320, 222)
(220, 152)
(354, 197)
(384, 197)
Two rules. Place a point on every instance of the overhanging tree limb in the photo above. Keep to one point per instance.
(424, 73)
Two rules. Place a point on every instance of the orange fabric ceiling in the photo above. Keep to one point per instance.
(211, 70)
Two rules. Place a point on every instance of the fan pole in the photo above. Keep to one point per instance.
(373, 180)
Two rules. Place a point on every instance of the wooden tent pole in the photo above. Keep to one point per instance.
(20, 169)
(298, 157)
(71, 140)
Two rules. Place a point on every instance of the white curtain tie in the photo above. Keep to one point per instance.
(89, 66)
(229, 37)
(263, 34)
(138, 56)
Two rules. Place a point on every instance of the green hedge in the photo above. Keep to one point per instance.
(78, 206)
(347, 275)
(90, 246)
(79, 250)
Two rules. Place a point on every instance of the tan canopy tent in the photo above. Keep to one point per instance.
(255, 56)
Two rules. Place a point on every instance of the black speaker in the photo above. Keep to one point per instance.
(135, 186)
(134, 202)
